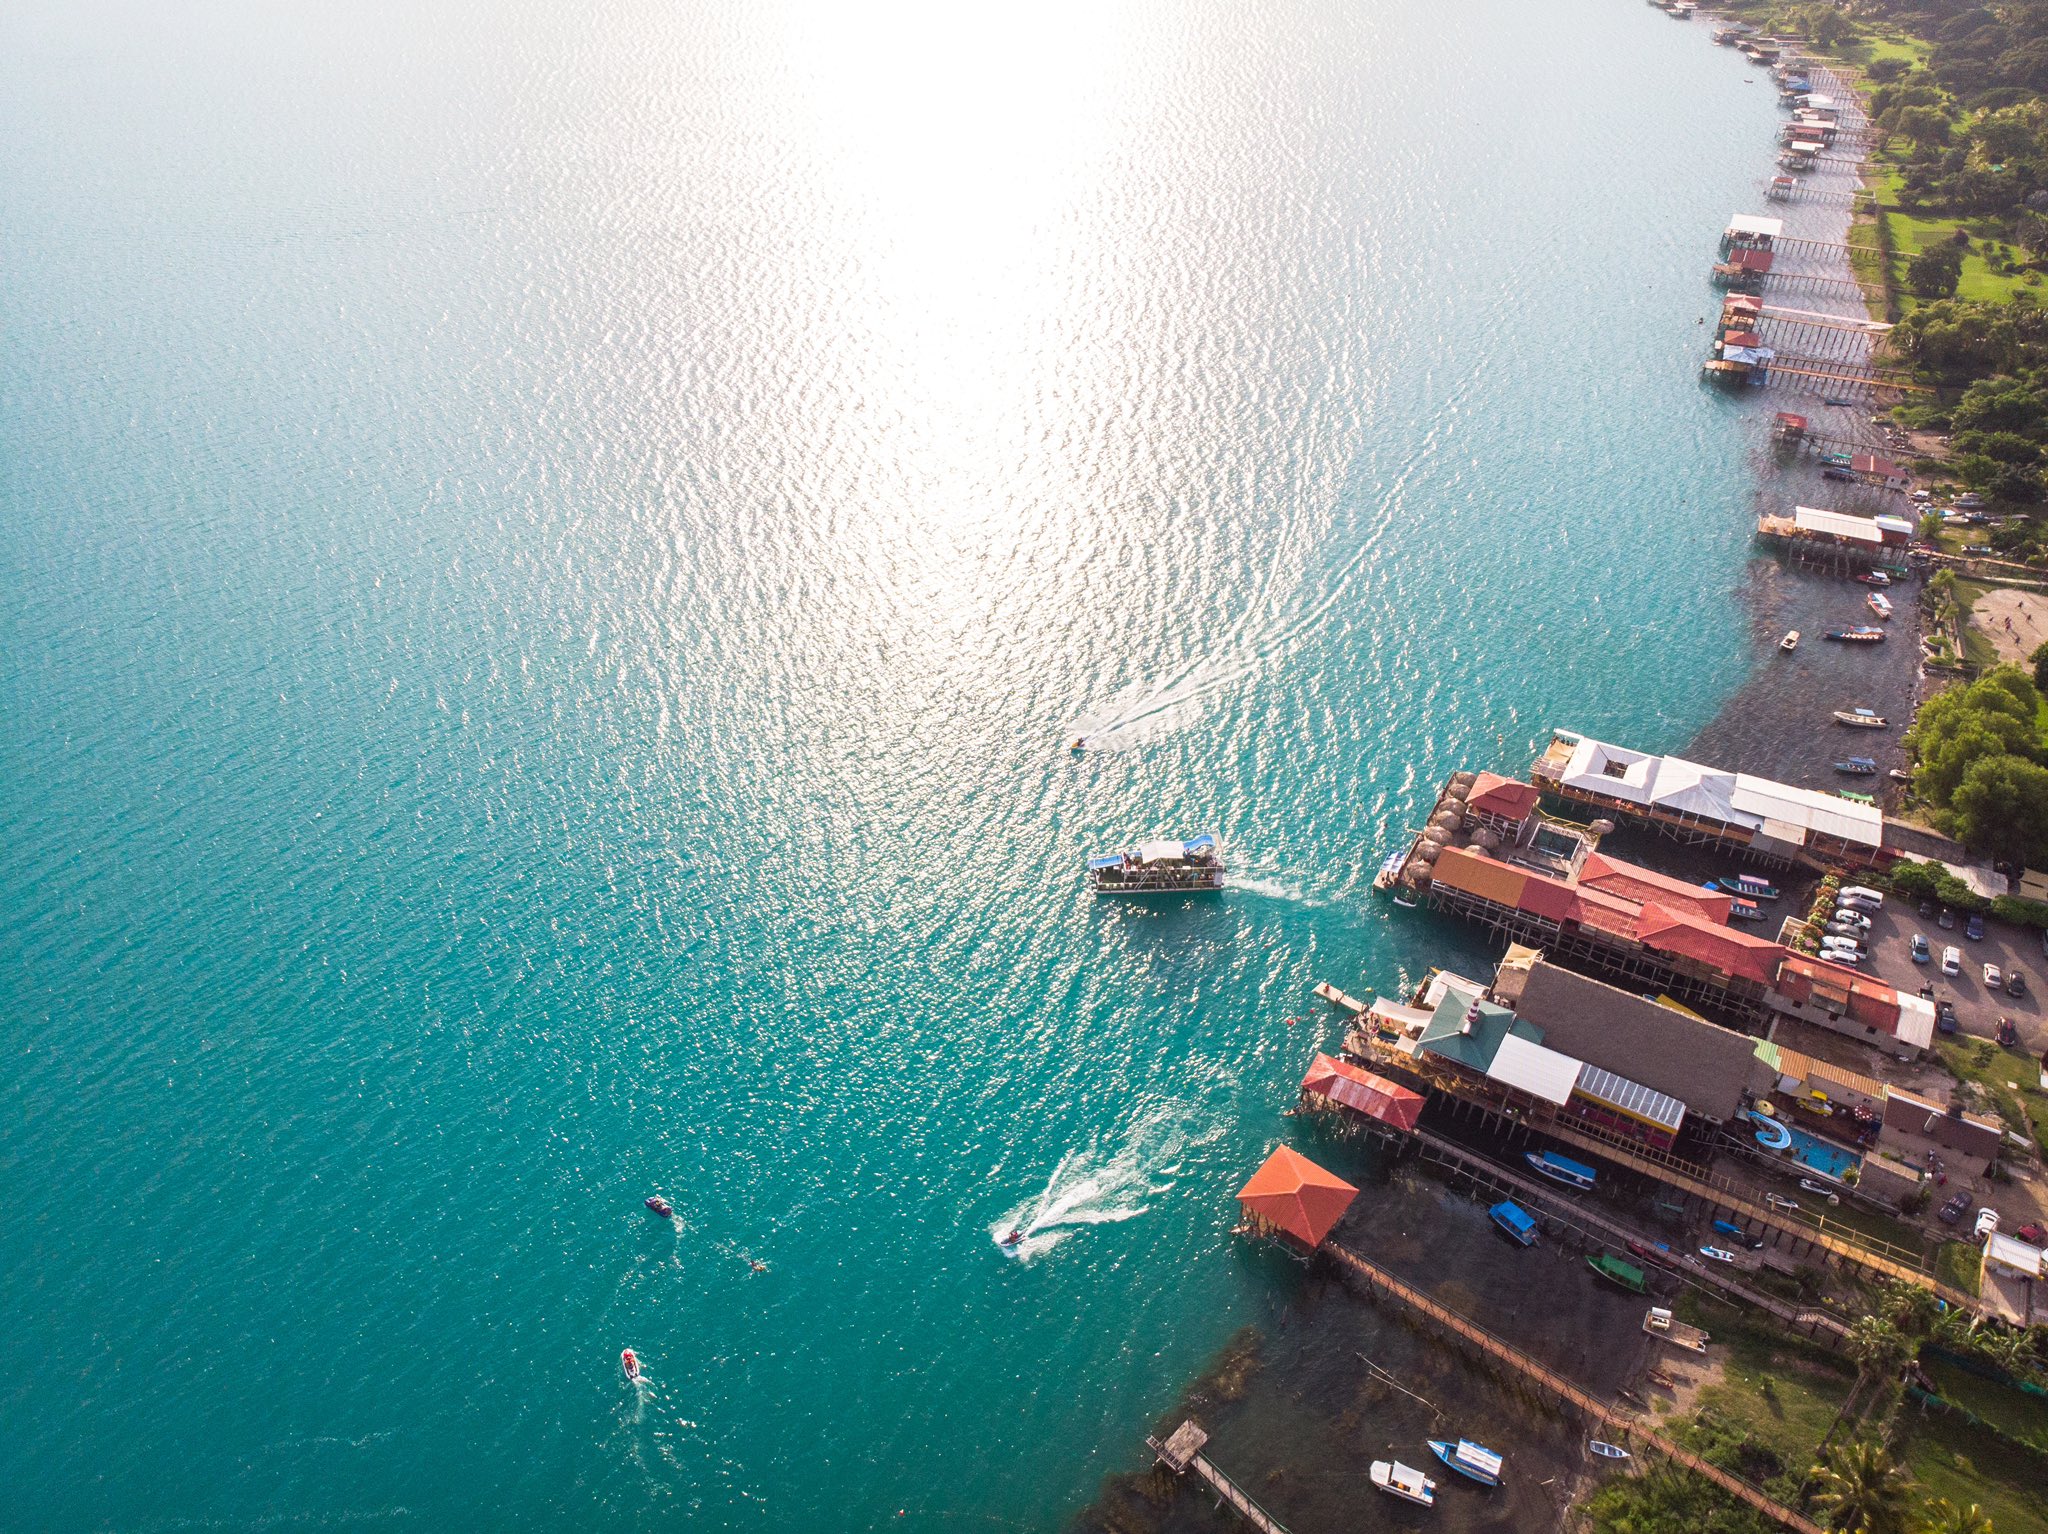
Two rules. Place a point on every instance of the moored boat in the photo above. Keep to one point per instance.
(1624, 1274)
(1861, 718)
(1607, 1450)
(1861, 634)
(1874, 578)
(1661, 1323)
(661, 1206)
(629, 1361)
(1468, 1459)
(1573, 1174)
(1519, 1224)
(1160, 868)
(1790, 642)
(1730, 1228)
(1716, 1254)
(1749, 887)
(1403, 1481)
(1745, 910)
(1879, 603)
(1857, 767)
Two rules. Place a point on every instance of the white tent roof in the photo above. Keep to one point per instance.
(1160, 852)
(1690, 789)
(1840, 524)
(2008, 1252)
(1756, 224)
(1916, 1021)
(1611, 770)
(1533, 1069)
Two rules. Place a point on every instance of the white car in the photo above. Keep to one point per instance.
(1993, 980)
(1862, 895)
(1849, 916)
(1987, 1222)
(1951, 960)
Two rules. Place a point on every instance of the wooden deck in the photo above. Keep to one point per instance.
(1626, 1427)
(1182, 1452)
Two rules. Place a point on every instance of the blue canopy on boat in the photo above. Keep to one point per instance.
(1514, 1216)
(1201, 843)
(1114, 860)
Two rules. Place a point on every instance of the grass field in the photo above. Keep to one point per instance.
(2011, 1081)
(1911, 235)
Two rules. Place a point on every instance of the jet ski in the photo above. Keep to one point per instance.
(630, 1362)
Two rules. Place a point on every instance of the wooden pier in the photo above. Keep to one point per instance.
(1378, 1281)
(1337, 998)
(1182, 1452)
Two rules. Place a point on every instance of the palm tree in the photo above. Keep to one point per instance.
(1944, 1517)
(1912, 1309)
(1862, 1491)
(1879, 1348)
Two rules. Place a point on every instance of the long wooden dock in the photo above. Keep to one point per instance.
(1379, 1281)
(1182, 1452)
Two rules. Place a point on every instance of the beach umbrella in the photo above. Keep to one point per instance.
(1435, 836)
(1443, 819)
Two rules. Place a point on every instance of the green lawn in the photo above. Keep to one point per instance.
(1911, 235)
(2010, 1080)
(1953, 1460)
(1885, 43)
(2013, 1411)
(1957, 1264)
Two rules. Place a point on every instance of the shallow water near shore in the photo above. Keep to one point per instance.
(552, 562)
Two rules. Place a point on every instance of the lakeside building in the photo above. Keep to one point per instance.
(1293, 1200)
(1737, 811)
(1838, 539)
(1491, 855)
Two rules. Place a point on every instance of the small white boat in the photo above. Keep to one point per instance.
(1607, 1450)
(1879, 603)
(1790, 642)
(1403, 1481)
(1716, 1254)
(629, 1362)
(1825, 1192)
(1861, 718)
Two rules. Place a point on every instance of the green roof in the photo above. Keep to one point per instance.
(1767, 1052)
(1445, 1034)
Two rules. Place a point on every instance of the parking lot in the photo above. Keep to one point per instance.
(1977, 1010)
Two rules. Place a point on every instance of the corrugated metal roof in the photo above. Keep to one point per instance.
(1836, 524)
(1529, 1067)
(1631, 1098)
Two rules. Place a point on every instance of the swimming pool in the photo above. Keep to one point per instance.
(1831, 1161)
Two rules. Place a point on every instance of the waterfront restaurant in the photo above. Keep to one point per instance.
(1736, 811)
(1294, 1199)
(1751, 231)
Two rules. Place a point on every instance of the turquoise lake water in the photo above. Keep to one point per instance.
(549, 560)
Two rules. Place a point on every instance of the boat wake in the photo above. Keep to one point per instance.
(1088, 1188)
(1272, 889)
(1148, 711)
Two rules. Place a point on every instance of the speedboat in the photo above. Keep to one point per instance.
(1607, 1450)
(1860, 718)
(1468, 1459)
(1014, 1238)
(1160, 868)
(1403, 1481)
(1716, 1254)
(630, 1362)
(1863, 633)
(661, 1206)
(1790, 642)
(1750, 887)
(1858, 767)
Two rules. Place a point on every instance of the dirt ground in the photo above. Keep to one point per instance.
(2014, 621)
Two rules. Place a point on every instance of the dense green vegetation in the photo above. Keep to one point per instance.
(1979, 752)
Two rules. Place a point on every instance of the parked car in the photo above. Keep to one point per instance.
(1987, 1222)
(1974, 928)
(1951, 960)
(1946, 920)
(1952, 1211)
(1850, 916)
(1926, 908)
(2033, 1235)
(1921, 953)
(1853, 903)
(1945, 1016)
(1993, 980)
(1862, 893)
(2015, 982)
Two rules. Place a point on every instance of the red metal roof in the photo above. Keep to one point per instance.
(1611, 876)
(1604, 913)
(1546, 897)
(1750, 260)
(1870, 463)
(1742, 338)
(1297, 1195)
(1732, 952)
(1496, 795)
(1796, 422)
(1374, 1096)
